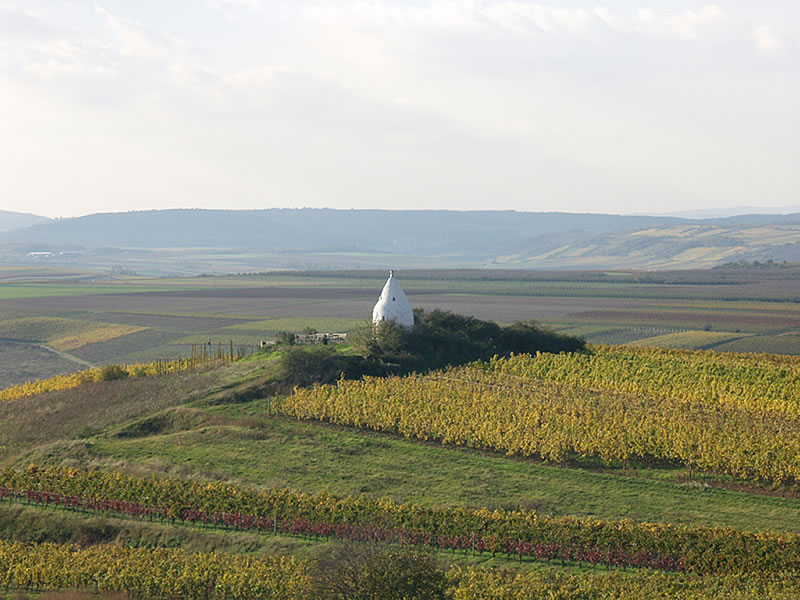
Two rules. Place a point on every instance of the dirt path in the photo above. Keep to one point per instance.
(66, 356)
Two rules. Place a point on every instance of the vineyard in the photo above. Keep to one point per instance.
(521, 534)
(482, 584)
(173, 574)
(760, 382)
(150, 573)
(737, 415)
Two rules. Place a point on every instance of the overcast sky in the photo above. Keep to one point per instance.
(619, 106)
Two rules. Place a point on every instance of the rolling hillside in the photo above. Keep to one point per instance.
(681, 246)
(186, 242)
(212, 483)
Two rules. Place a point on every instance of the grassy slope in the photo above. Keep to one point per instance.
(276, 452)
(37, 423)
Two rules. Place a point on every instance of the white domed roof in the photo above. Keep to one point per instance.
(393, 305)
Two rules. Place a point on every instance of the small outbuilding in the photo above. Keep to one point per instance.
(393, 305)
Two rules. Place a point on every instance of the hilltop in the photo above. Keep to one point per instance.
(14, 220)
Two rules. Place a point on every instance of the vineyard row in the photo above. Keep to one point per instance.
(761, 382)
(491, 406)
(299, 526)
(519, 533)
(175, 574)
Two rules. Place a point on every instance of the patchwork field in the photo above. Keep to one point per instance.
(132, 319)
(63, 334)
(690, 340)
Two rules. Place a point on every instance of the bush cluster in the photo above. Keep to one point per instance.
(441, 338)
(438, 339)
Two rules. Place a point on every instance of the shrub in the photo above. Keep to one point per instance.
(374, 572)
(319, 364)
(286, 338)
(112, 372)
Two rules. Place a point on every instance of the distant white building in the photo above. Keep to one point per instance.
(393, 305)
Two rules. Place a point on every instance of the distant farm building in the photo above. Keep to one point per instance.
(393, 305)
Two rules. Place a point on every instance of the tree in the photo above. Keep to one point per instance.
(370, 571)
(286, 338)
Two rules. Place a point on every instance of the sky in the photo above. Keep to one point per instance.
(620, 106)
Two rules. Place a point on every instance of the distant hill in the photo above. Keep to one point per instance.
(14, 220)
(327, 238)
(733, 211)
(687, 245)
(409, 232)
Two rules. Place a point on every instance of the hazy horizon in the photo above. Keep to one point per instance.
(699, 213)
(617, 108)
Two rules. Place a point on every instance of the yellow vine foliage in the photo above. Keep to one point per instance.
(751, 380)
(101, 333)
(485, 584)
(175, 573)
(151, 573)
(701, 550)
(736, 415)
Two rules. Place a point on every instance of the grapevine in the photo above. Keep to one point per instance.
(517, 534)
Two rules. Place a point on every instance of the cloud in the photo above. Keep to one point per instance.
(528, 17)
(53, 69)
(24, 24)
(766, 40)
(520, 17)
(433, 101)
(688, 25)
(135, 40)
(534, 18)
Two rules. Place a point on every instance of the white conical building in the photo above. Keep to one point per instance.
(393, 305)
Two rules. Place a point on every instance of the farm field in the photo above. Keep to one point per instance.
(223, 446)
(139, 319)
